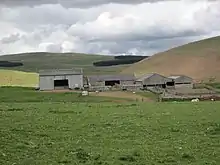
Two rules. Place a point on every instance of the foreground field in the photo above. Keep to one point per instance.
(44, 128)
(18, 78)
(148, 97)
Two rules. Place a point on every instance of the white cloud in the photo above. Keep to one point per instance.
(143, 28)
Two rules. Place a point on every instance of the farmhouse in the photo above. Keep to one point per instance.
(110, 80)
(155, 80)
(182, 81)
(60, 79)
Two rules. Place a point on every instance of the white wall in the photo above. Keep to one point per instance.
(47, 82)
(75, 79)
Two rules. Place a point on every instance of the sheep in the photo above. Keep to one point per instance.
(195, 100)
(85, 93)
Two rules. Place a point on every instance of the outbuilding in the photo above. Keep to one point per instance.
(182, 81)
(155, 80)
(103, 81)
(60, 79)
(110, 80)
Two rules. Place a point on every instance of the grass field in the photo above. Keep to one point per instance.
(215, 85)
(18, 78)
(65, 129)
(199, 60)
(33, 62)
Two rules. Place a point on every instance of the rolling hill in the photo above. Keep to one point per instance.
(200, 60)
(33, 62)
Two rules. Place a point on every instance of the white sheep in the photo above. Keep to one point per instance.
(195, 100)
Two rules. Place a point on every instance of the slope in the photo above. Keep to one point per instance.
(18, 78)
(200, 60)
(33, 62)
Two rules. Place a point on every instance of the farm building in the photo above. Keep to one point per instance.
(110, 80)
(182, 81)
(155, 80)
(60, 79)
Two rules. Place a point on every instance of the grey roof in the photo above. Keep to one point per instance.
(56, 72)
(178, 76)
(146, 76)
(174, 77)
(96, 78)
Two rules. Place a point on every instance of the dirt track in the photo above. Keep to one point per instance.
(113, 94)
(120, 94)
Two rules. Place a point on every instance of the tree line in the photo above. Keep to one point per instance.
(120, 60)
(10, 64)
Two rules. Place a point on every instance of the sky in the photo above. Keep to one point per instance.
(138, 27)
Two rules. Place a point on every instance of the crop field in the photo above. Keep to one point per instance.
(18, 78)
(66, 129)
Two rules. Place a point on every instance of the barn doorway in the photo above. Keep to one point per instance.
(163, 86)
(112, 83)
(61, 84)
(171, 83)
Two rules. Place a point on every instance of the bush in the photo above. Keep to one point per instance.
(10, 64)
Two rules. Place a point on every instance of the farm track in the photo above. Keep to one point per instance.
(125, 95)
(113, 94)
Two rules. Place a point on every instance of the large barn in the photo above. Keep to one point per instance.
(182, 81)
(60, 79)
(110, 80)
(154, 79)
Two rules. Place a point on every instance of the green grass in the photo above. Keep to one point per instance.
(21, 94)
(214, 85)
(33, 62)
(36, 130)
(148, 95)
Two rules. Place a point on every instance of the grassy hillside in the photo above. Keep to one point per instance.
(35, 61)
(66, 129)
(18, 78)
(200, 60)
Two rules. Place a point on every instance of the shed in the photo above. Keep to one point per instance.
(154, 79)
(110, 80)
(182, 80)
(60, 79)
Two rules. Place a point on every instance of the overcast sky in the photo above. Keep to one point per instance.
(105, 26)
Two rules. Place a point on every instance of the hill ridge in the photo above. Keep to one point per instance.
(199, 60)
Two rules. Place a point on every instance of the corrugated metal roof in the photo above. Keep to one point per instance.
(174, 77)
(96, 78)
(178, 76)
(146, 76)
(56, 72)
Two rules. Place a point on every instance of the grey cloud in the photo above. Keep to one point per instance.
(74, 3)
(110, 29)
(10, 39)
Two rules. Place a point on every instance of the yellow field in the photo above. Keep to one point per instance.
(18, 78)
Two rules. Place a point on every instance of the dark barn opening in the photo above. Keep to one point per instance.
(156, 85)
(112, 83)
(163, 85)
(61, 84)
(171, 83)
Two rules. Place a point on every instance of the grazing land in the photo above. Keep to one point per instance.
(199, 60)
(66, 129)
(33, 62)
(140, 96)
